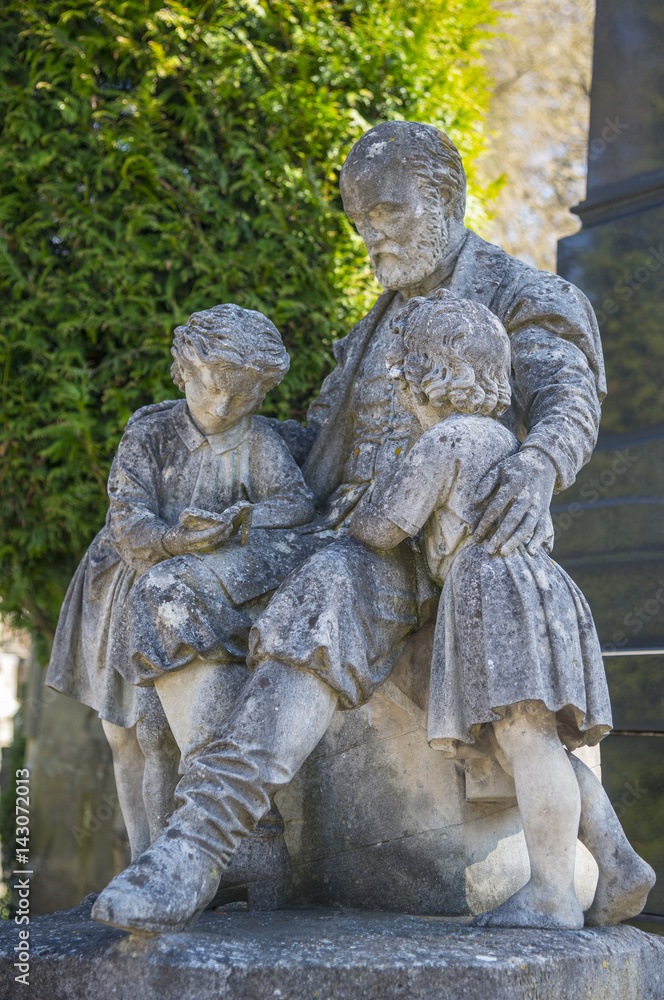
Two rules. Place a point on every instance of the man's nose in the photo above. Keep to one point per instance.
(372, 234)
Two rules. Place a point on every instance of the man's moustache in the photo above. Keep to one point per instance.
(388, 250)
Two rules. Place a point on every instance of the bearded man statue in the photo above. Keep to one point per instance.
(334, 629)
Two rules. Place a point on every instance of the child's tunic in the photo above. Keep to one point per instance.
(509, 629)
(164, 464)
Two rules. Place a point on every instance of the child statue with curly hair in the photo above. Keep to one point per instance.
(517, 667)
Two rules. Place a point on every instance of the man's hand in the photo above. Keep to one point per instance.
(522, 486)
(342, 502)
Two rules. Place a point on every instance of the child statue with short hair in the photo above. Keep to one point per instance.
(188, 477)
(517, 665)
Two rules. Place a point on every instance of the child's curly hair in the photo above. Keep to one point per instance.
(228, 336)
(451, 350)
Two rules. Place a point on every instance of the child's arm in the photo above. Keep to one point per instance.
(135, 527)
(280, 495)
(401, 503)
(369, 525)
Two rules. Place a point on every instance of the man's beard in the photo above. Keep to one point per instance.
(403, 267)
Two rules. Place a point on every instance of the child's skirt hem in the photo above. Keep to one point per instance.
(513, 629)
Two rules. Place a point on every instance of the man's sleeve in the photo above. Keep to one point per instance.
(558, 368)
(133, 520)
(419, 485)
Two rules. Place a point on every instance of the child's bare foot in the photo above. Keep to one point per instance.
(532, 907)
(621, 891)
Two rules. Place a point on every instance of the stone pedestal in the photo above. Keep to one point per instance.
(331, 955)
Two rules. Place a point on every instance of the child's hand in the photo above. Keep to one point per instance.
(180, 541)
(196, 519)
(204, 531)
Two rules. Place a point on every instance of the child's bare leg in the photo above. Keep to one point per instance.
(128, 762)
(162, 760)
(625, 879)
(548, 797)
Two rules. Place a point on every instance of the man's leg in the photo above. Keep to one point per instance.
(196, 699)
(280, 717)
(332, 630)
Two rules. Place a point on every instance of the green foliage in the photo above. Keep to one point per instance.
(157, 160)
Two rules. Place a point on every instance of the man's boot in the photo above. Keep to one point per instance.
(280, 717)
(196, 701)
(259, 870)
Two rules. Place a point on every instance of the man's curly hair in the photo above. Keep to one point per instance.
(228, 336)
(451, 350)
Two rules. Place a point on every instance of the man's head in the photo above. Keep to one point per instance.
(226, 360)
(404, 186)
(450, 354)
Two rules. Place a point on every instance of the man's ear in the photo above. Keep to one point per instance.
(452, 200)
(446, 193)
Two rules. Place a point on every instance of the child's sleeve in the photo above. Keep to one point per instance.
(133, 520)
(281, 497)
(420, 484)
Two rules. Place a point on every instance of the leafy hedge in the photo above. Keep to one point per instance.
(159, 159)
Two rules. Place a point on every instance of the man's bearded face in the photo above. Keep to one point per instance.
(404, 230)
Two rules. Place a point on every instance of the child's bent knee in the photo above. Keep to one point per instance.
(527, 726)
(155, 737)
(119, 738)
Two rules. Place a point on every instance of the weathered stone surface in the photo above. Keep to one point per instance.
(462, 336)
(331, 955)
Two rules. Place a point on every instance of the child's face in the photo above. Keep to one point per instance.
(417, 403)
(219, 398)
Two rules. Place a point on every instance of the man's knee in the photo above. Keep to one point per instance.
(163, 578)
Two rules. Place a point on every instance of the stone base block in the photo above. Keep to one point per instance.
(328, 954)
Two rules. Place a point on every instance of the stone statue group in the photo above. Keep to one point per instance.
(254, 576)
